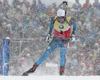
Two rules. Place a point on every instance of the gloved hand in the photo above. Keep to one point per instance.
(48, 38)
(72, 38)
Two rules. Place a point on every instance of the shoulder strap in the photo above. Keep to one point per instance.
(55, 18)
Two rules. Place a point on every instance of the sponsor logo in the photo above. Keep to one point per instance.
(61, 26)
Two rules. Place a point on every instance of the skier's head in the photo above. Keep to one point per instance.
(61, 15)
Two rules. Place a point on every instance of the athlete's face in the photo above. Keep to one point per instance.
(61, 19)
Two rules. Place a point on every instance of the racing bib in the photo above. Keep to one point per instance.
(62, 31)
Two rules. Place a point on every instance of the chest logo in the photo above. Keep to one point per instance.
(61, 26)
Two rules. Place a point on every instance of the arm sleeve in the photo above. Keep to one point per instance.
(51, 25)
(74, 23)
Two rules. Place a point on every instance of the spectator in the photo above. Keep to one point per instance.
(55, 6)
(87, 5)
(34, 22)
(89, 35)
(92, 12)
(83, 16)
(15, 3)
(43, 18)
(24, 9)
(79, 31)
(33, 7)
(76, 10)
(96, 50)
(18, 13)
(51, 11)
(6, 3)
(77, 5)
(96, 4)
(40, 7)
(4, 9)
(95, 18)
(89, 44)
(27, 4)
(87, 24)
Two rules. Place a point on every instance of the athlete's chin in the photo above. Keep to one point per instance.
(61, 21)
